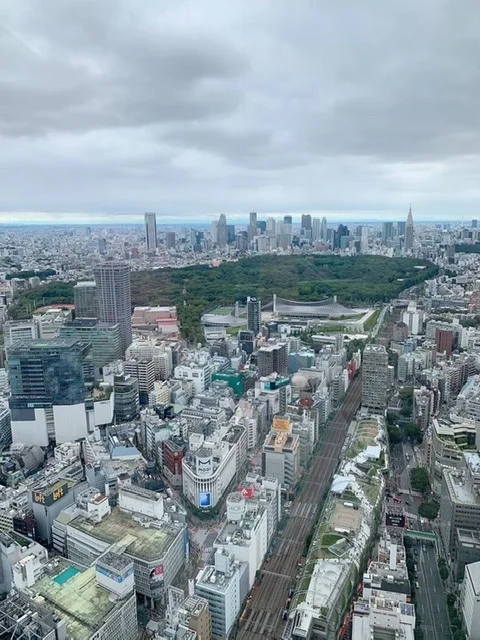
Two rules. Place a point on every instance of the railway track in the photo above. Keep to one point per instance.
(262, 617)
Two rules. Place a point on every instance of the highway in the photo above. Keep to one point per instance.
(262, 617)
(431, 599)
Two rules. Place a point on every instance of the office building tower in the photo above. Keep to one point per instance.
(281, 458)
(114, 298)
(102, 246)
(104, 339)
(324, 230)
(375, 378)
(252, 226)
(254, 315)
(316, 229)
(445, 341)
(401, 226)
(342, 232)
(222, 231)
(48, 390)
(262, 226)
(15, 331)
(230, 233)
(241, 241)
(271, 226)
(306, 221)
(151, 231)
(409, 231)
(127, 402)
(474, 224)
(387, 232)
(85, 299)
(170, 240)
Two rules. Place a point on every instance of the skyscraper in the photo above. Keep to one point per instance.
(271, 226)
(306, 221)
(222, 231)
(409, 231)
(252, 226)
(114, 298)
(151, 231)
(324, 230)
(375, 378)
(85, 299)
(254, 315)
(387, 231)
(170, 240)
(316, 229)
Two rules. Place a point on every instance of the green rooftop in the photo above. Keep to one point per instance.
(146, 543)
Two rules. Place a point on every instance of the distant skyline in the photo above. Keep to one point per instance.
(205, 220)
(356, 109)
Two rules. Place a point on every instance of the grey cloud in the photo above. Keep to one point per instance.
(191, 107)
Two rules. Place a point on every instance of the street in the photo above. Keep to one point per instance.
(431, 599)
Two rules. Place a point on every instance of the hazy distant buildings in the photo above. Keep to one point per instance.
(222, 236)
(375, 378)
(151, 231)
(114, 297)
(85, 299)
(324, 230)
(170, 240)
(252, 226)
(409, 231)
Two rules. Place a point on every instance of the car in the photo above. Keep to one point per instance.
(417, 586)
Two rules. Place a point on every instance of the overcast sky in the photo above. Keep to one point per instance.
(109, 108)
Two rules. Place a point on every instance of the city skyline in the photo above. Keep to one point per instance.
(167, 110)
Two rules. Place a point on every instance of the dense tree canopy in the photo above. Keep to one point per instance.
(356, 281)
(419, 480)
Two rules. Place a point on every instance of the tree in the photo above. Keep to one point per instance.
(459, 635)
(413, 432)
(451, 599)
(429, 510)
(443, 571)
(418, 633)
(394, 435)
(419, 480)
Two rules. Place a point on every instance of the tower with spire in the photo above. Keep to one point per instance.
(409, 231)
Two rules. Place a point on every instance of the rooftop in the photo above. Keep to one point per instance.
(473, 572)
(74, 594)
(459, 489)
(150, 541)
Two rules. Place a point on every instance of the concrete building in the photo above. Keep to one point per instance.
(375, 378)
(139, 526)
(18, 331)
(224, 586)
(143, 369)
(170, 240)
(210, 464)
(272, 358)
(126, 401)
(470, 600)
(460, 501)
(184, 614)
(467, 551)
(112, 280)
(159, 352)
(85, 299)
(281, 458)
(161, 320)
(151, 232)
(245, 533)
(199, 372)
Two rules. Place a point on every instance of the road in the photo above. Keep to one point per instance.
(262, 617)
(431, 598)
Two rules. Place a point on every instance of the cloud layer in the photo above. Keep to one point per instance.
(191, 108)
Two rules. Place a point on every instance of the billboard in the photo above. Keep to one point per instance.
(271, 385)
(247, 492)
(205, 499)
(156, 576)
(48, 497)
(204, 465)
(394, 519)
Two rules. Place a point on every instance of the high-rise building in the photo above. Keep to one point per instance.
(104, 338)
(271, 226)
(151, 231)
(306, 221)
(375, 377)
(102, 246)
(114, 297)
(5, 428)
(85, 299)
(324, 230)
(272, 359)
(222, 231)
(470, 600)
(252, 226)
(254, 315)
(48, 390)
(401, 226)
(316, 229)
(409, 231)
(387, 231)
(474, 224)
(170, 240)
(230, 233)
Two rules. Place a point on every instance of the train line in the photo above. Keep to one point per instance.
(262, 617)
